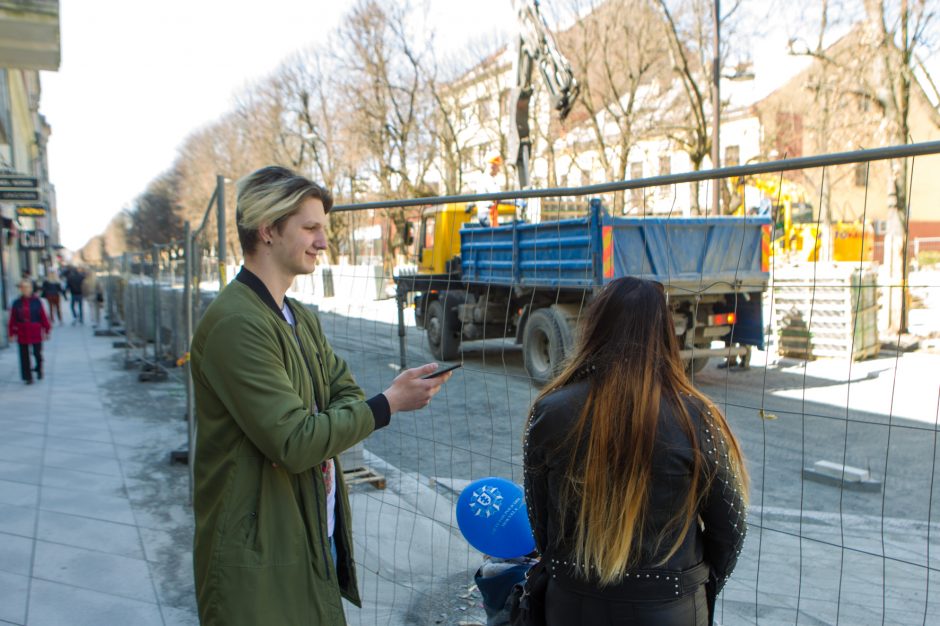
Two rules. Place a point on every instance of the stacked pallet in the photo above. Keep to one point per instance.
(826, 310)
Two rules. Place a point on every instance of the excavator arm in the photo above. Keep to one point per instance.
(536, 47)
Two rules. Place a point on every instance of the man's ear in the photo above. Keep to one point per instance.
(264, 232)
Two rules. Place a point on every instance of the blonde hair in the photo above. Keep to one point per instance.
(270, 196)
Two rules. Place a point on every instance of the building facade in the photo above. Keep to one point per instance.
(29, 43)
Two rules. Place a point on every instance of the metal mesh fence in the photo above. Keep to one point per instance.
(838, 426)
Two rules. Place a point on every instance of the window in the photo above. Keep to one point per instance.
(636, 195)
(483, 111)
(665, 165)
(427, 233)
(789, 135)
(861, 174)
(732, 156)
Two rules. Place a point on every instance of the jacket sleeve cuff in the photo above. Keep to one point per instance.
(381, 411)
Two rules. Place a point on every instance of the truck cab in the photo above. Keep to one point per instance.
(439, 231)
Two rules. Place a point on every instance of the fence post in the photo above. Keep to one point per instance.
(188, 323)
(110, 295)
(220, 218)
(156, 303)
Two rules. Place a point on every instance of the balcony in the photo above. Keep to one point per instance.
(29, 34)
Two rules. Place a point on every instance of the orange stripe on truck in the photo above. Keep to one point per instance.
(608, 251)
(765, 247)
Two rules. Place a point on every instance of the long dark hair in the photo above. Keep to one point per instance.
(627, 341)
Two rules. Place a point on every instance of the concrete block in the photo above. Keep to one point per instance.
(845, 477)
(845, 472)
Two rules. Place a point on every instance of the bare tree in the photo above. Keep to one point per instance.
(155, 218)
(894, 37)
(874, 68)
(391, 114)
(619, 58)
(689, 29)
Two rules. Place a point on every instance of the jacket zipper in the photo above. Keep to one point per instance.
(316, 492)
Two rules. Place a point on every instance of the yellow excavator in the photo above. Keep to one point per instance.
(798, 234)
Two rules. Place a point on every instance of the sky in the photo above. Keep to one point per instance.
(137, 77)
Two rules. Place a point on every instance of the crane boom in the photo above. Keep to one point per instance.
(536, 47)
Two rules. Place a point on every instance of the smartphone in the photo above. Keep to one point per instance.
(442, 370)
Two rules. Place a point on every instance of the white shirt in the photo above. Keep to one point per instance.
(331, 493)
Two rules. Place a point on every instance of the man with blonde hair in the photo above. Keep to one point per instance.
(275, 406)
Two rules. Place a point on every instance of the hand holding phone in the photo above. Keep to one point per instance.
(414, 388)
(442, 370)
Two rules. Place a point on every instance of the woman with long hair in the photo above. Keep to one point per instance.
(635, 486)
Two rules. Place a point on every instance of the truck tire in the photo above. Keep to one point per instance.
(543, 346)
(442, 327)
(696, 365)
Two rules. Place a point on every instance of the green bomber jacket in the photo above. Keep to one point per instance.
(271, 406)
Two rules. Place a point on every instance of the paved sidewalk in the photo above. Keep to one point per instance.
(95, 527)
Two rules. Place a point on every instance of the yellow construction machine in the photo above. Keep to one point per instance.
(798, 234)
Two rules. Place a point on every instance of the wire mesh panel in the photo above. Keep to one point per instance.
(839, 433)
(783, 317)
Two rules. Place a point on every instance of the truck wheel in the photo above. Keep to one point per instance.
(696, 365)
(543, 347)
(441, 327)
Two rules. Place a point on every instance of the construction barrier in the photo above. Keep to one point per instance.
(826, 310)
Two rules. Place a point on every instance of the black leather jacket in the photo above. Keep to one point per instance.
(717, 540)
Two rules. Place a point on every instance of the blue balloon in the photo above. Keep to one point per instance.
(492, 516)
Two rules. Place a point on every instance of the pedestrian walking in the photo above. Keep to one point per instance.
(29, 324)
(635, 485)
(275, 407)
(74, 279)
(52, 292)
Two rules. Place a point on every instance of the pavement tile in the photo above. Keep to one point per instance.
(73, 419)
(95, 464)
(103, 484)
(18, 494)
(86, 504)
(16, 454)
(91, 534)
(79, 431)
(79, 446)
(15, 425)
(18, 520)
(89, 569)
(53, 604)
(30, 440)
(14, 590)
(23, 410)
(20, 472)
(15, 554)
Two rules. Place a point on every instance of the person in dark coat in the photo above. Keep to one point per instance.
(29, 324)
(74, 279)
(635, 485)
(52, 292)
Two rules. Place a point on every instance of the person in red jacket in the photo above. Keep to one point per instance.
(30, 326)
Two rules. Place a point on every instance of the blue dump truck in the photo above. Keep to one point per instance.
(530, 282)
